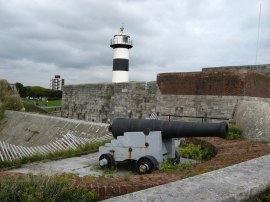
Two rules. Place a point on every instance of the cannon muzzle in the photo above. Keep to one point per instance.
(169, 129)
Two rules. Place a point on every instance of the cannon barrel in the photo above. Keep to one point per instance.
(169, 129)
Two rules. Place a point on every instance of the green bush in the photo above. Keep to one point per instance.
(2, 112)
(41, 188)
(4, 89)
(196, 152)
(37, 91)
(12, 102)
(234, 133)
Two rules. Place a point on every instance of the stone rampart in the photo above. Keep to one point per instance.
(223, 83)
(213, 92)
(264, 69)
(104, 102)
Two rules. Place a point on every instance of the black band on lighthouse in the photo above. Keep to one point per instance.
(120, 64)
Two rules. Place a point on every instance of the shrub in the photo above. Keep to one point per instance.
(4, 89)
(41, 188)
(29, 107)
(234, 133)
(196, 152)
(12, 103)
(2, 112)
(191, 151)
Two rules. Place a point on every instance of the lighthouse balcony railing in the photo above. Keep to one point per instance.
(121, 41)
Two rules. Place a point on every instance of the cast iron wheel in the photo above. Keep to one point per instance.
(106, 161)
(176, 158)
(146, 165)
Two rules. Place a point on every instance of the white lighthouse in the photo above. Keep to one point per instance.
(120, 44)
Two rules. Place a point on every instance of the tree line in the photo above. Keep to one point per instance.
(37, 92)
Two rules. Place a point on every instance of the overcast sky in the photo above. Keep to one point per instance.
(41, 38)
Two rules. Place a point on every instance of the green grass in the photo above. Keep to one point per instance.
(43, 107)
(82, 150)
(42, 188)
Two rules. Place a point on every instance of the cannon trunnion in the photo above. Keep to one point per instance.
(150, 142)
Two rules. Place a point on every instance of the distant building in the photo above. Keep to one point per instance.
(57, 82)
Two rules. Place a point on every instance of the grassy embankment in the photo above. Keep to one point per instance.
(44, 105)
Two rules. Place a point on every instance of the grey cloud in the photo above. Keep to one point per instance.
(71, 38)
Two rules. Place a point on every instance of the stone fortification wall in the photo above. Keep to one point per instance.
(104, 102)
(137, 99)
(215, 92)
(254, 118)
(91, 98)
(221, 82)
(200, 83)
(222, 107)
(264, 69)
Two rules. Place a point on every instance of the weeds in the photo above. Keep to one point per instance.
(196, 152)
(168, 166)
(109, 171)
(234, 133)
(41, 188)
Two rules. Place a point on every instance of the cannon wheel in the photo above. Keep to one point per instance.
(106, 161)
(176, 159)
(146, 165)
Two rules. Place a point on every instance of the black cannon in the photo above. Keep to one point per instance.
(169, 129)
(150, 142)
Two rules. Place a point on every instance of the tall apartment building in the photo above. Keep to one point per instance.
(57, 82)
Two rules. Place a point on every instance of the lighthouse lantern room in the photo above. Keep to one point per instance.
(121, 43)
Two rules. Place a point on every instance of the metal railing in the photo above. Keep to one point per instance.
(121, 41)
(204, 118)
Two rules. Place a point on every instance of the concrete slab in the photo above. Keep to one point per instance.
(235, 183)
(29, 129)
(83, 165)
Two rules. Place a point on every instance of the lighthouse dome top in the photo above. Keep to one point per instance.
(121, 40)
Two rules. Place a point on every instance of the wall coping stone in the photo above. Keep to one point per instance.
(235, 183)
